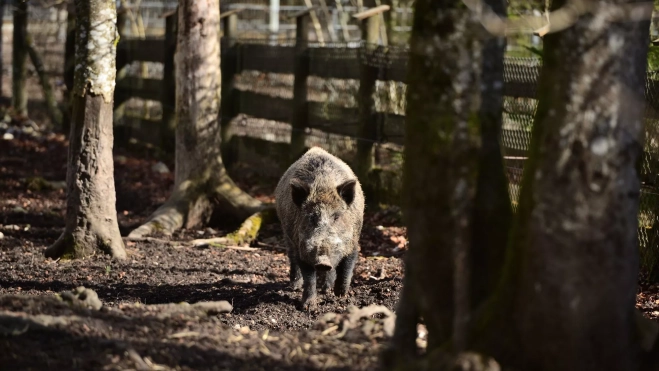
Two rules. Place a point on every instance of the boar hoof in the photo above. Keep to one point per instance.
(309, 304)
(340, 291)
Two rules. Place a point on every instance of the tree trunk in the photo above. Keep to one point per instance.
(91, 217)
(201, 180)
(69, 66)
(19, 60)
(2, 17)
(493, 213)
(440, 173)
(567, 299)
(47, 88)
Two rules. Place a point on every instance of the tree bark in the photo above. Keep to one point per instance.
(69, 65)
(440, 173)
(19, 60)
(567, 298)
(201, 180)
(2, 17)
(493, 213)
(91, 217)
(47, 88)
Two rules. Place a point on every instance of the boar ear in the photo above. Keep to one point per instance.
(347, 190)
(299, 191)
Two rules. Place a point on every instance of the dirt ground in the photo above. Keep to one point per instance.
(168, 270)
(263, 330)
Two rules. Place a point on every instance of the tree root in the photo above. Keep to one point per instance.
(82, 243)
(192, 205)
(245, 234)
(166, 219)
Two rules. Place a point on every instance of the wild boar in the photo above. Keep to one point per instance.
(320, 205)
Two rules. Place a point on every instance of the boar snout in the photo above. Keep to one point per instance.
(323, 263)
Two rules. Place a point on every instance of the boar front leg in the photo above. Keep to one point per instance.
(344, 273)
(295, 274)
(326, 280)
(308, 286)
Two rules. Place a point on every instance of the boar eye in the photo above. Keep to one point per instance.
(336, 216)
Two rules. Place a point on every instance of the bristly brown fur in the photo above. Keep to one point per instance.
(320, 204)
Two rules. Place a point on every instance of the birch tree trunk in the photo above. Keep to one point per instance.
(19, 59)
(201, 180)
(91, 217)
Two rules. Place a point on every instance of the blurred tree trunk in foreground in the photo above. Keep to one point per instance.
(201, 180)
(442, 147)
(567, 301)
(562, 295)
(91, 217)
(2, 17)
(19, 60)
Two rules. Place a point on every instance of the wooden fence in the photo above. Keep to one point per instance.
(369, 62)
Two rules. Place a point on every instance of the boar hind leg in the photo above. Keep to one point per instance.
(308, 286)
(295, 274)
(344, 273)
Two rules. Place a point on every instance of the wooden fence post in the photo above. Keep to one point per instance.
(230, 103)
(168, 97)
(370, 24)
(300, 112)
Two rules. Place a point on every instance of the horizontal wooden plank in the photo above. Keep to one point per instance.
(345, 63)
(144, 50)
(345, 121)
(267, 58)
(335, 120)
(130, 86)
(397, 71)
(265, 106)
(334, 63)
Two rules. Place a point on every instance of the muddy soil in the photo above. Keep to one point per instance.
(264, 330)
(163, 270)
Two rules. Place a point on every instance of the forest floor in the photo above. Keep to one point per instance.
(263, 330)
(136, 328)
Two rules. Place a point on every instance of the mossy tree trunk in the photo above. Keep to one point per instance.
(440, 173)
(91, 217)
(19, 60)
(566, 300)
(201, 180)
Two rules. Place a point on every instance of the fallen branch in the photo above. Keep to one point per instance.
(149, 239)
(245, 234)
(220, 242)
